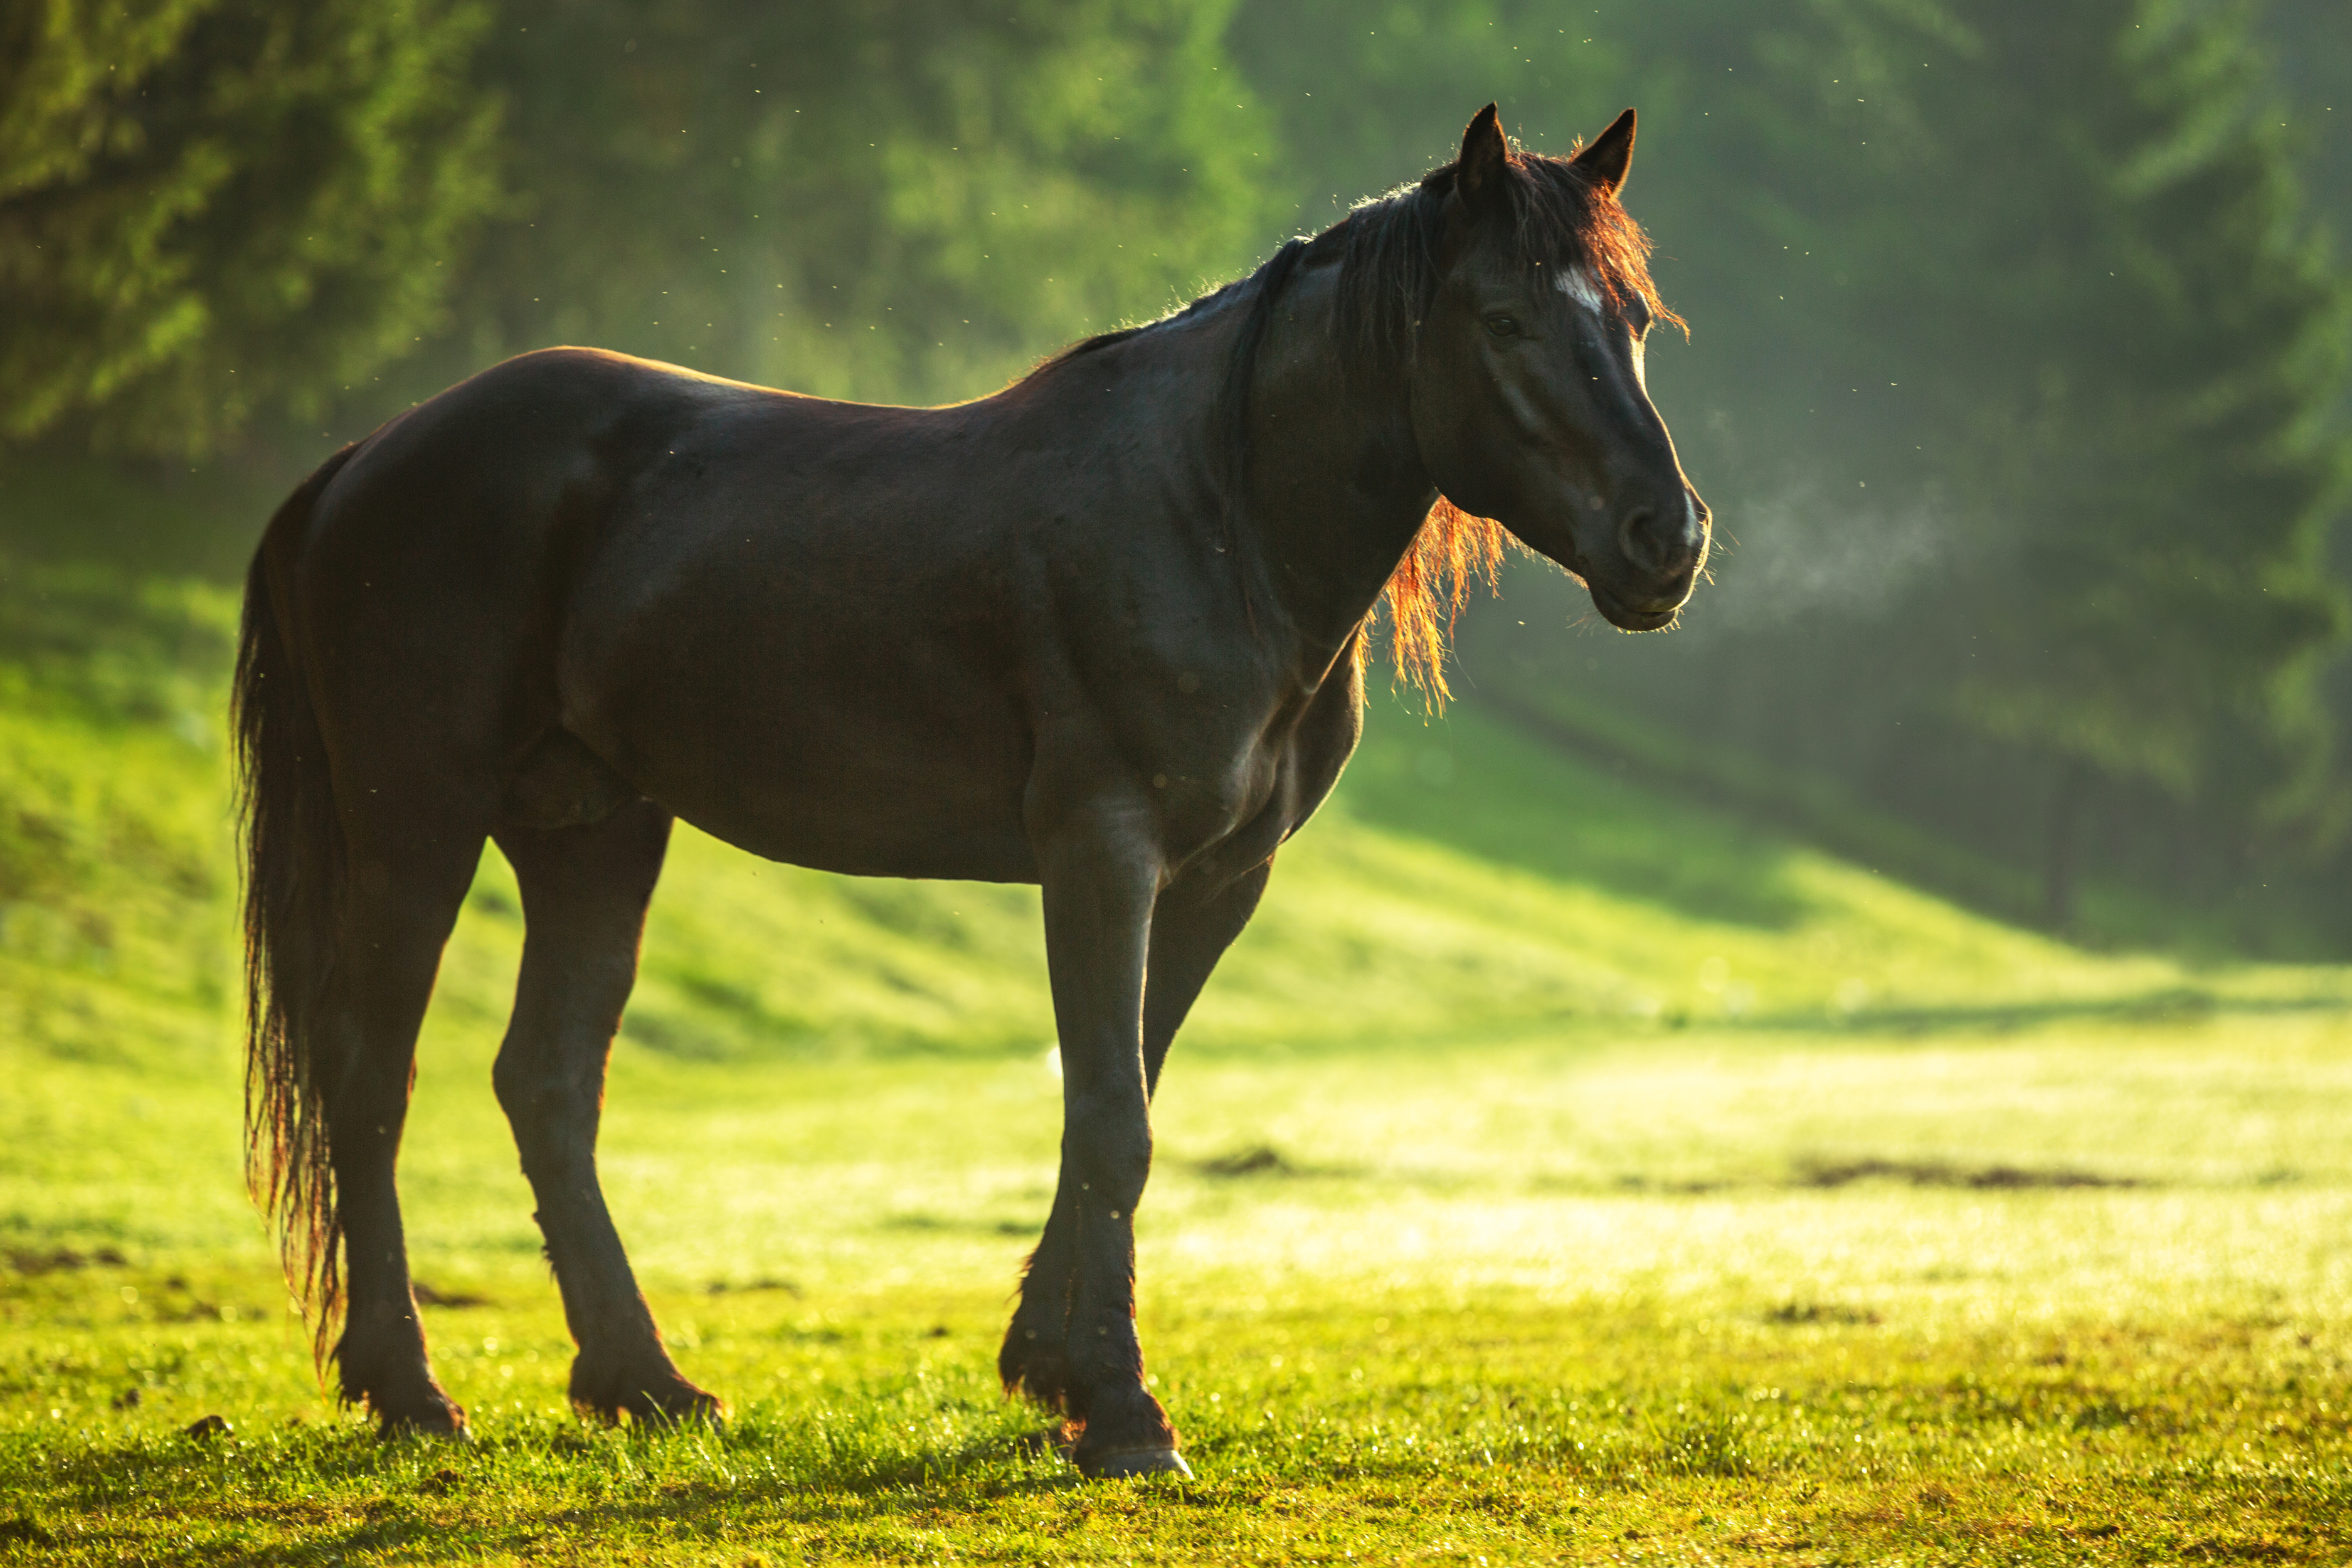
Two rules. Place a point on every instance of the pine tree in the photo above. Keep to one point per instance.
(1367, 98)
(2046, 270)
(2150, 452)
(905, 199)
(209, 208)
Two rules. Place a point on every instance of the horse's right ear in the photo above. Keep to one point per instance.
(1612, 153)
(1478, 171)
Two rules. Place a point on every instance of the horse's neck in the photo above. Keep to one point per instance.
(1335, 487)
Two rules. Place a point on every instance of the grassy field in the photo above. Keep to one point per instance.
(1555, 1173)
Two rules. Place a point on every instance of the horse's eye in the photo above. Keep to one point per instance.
(1503, 326)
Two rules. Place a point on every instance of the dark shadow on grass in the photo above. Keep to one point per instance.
(1836, 1313)
(1265, 1161)
(963, 1226)
(24, 1529)
(33, 1262)
(180, 1477)
(426, 1296)
(2170, 1007)
(1818, 1174)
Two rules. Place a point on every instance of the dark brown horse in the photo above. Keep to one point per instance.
(1103, 632)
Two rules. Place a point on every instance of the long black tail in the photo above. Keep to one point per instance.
(293, 852)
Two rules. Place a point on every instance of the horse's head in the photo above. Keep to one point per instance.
(1528, 401)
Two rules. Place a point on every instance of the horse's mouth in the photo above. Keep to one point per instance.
(1628, 617)
(1649, 613)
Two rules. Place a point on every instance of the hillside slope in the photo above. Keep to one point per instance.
(1465, 881)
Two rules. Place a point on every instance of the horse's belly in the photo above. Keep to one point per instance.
(927, 838)
(880, 797)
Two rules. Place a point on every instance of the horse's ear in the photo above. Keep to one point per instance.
(1612, 153)
(1478, 173)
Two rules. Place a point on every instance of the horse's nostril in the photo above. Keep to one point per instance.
(1653, 543)
(1634, 537)
(1659, 544)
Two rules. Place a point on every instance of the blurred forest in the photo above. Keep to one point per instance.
(2017, 374)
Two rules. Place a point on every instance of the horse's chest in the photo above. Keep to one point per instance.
(1245, 796)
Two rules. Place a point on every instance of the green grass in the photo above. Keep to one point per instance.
(1505, 1300)
(1621, 1183)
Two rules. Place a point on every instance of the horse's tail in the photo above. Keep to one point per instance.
(293, 852)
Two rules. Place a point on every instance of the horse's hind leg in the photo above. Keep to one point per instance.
(398, 908)
(584, 892)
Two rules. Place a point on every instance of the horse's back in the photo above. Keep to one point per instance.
(834, 633)
(767, 611)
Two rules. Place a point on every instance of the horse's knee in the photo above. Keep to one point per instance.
(527, 1091)
(1111, 1152)
(549, 1114)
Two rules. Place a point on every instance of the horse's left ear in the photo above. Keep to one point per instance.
(1478, 171)
(1612, 153)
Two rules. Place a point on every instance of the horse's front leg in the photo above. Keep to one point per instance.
(1191, 926)
(1099, 887)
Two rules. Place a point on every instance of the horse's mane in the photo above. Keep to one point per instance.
(1388, 248)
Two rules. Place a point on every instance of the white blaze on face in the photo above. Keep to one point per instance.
(1579, 286)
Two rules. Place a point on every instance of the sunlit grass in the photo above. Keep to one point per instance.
(1513, 1299)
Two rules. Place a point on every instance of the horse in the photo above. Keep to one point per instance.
(1104, 632)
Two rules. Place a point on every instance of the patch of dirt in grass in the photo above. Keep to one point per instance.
(1265, 1159)
(1821, 1312)
(1942, 1174)
(1256, 1160)
(765, 1282)
(426, 1296)
(33, 1262)
(26, 1531)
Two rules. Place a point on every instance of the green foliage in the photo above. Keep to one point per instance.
(1369, 97)
(59, 57)
(2312, 51)
(2042, 483)
(210, 208)
(2018, 381)
(904, 201)
(2156, 343)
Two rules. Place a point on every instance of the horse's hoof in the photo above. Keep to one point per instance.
(1135, 1462)
(660, 1398)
